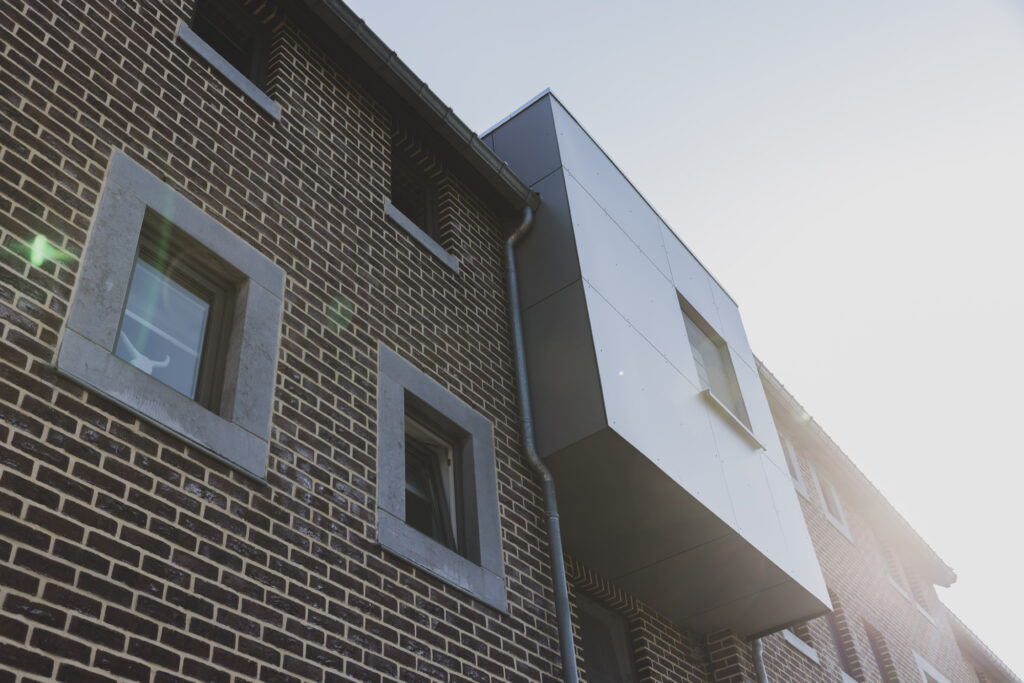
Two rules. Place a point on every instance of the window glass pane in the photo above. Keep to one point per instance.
(427, 500)
(714, 368)
(163, 328)
(606, 648)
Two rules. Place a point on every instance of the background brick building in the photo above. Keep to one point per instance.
(149, 539)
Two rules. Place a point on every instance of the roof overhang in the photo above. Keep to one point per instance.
(423, 102)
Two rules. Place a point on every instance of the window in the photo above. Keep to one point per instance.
(437, 485)
(230, 28)
(794, 466)
(431, 504)
(415, 200)
(928, 673)
(830, 501)
(607, 653)
(883, 657)
(799, 637)
(176, 319)
(714, 367)
(233, 39)
(844, 653)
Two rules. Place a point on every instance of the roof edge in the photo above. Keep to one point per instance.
(385, 62)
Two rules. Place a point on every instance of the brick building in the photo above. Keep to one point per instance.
(259, 398)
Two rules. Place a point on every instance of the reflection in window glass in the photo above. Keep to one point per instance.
(429, 482)
(163, 328)
(714, 368)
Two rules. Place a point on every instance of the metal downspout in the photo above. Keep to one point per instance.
(562, 612)
(758, 648)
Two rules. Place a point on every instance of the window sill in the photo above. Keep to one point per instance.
(924, 613)
(402, 221)
(800, 646)
(898, 588)
(840, 525)
(213, 58)
(733, 419)
(847, 678)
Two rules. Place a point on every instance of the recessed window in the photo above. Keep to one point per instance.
(607, 653)
(432, 506)
(176, 318)
(928, 673)
(414, 193)
(231, 29)
(845, 655)
(437, 483)
(793, 465)
(234, 38)
(415, 198)
(177, 314)
(714, 367)
(830, 501)
(883, 657)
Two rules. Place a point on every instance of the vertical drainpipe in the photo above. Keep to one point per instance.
(562, 612)
(758, 647)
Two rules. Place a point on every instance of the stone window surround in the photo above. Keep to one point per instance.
(482, 573)
(238, 434)
(926, 669)
(840, 523)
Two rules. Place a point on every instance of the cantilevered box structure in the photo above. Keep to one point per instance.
(648, 406)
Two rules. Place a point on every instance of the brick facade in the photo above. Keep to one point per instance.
(127, 554)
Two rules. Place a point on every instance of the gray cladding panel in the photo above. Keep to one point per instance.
(527, 142)
(560, 360)
(546, 258)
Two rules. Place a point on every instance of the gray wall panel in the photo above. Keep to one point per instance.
(527, 142)
(546, 259)
(564, 384)
(622, 273)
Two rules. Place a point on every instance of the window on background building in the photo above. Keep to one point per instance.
(830, 501)
(883, 658)
(437, 484)
(714, 367)
(607, 652)
(928, 673)
(177, 320)
(844, 652)
(793, 465)
(236, 34)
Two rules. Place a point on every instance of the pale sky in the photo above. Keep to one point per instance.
(853, 174)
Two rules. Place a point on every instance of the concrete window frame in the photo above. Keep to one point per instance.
(238, 432)
(479, 571)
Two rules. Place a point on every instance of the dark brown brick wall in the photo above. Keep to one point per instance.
(125, 553)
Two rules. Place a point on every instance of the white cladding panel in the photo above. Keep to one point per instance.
(634, 268)
(628, 280)
(656, 409)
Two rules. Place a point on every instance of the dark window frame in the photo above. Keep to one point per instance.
(255, 66)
